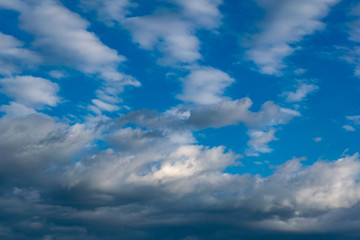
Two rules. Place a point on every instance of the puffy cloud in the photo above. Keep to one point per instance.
(31, 91)
(286, 23)
(13, 56)
(205, 85)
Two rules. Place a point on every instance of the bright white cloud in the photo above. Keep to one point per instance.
(31, 91)
(286, 23)
(205, 85)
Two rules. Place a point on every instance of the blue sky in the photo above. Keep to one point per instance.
(179, 119)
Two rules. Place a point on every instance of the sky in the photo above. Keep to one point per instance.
(179, 119)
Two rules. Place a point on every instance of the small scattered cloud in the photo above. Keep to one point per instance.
(317, 139)
(302, 91)
(349, 128)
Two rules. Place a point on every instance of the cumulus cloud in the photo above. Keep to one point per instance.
(31, 91)
(204, 85)
(285, 24)
(143, 175)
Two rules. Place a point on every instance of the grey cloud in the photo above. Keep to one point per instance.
(172, 185)
(261, 124)
(36, 142)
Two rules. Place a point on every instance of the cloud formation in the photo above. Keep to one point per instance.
(144, 175)
(13, 56)
(285, 24)
(31, 91)
(173, 33)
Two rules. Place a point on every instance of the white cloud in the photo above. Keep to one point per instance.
(205, 85)
(204, 12)
(317, 139)
(13, 57)
(62, 37)
(172, 32)
(109, 11)
(143, 175)
(57, 74)
(301, 92)
(16, 109)
(348, 128)
(104, 106)
(31, 91)
(355, 119)
(169, 34)
(259, 140)
(286, 23)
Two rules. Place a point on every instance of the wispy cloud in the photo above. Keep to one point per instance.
(285, 24)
